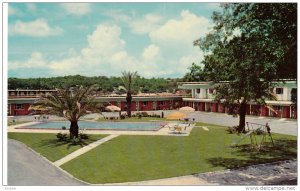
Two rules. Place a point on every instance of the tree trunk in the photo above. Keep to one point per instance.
(128, 103)
(242, 114)
(74, 129)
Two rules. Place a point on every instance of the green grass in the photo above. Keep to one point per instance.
(135, 158)
(47, 145)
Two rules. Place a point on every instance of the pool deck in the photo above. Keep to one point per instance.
(164, 131)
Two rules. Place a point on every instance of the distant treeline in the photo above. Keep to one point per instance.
(105, 84)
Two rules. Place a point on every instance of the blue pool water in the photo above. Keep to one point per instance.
(100, 125)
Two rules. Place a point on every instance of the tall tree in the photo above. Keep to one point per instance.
(195, 74)
(247, 50)
(128, 79)
(72, 104)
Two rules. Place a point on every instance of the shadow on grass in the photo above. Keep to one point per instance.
(246, 155)
(52, 143)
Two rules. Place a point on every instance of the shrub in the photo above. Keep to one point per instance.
(259, 132)
(75, 140)
(63, 128)
(61, 136)
(144, 114)
(232, 130)
(83, 136)
(122, 116)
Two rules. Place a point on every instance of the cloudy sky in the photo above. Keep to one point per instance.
(155, 39)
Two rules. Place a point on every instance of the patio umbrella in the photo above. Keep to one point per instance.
(37, 108)
(176, 115)
(112, 108)
(186, 109)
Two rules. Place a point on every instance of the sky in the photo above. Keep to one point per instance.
(96, 39)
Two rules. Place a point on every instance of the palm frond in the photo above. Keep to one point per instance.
(128, 79)
(70, 104)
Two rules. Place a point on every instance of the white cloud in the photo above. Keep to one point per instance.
(181, 33)
(138, 25)
(11, 10)
(103, 55)
(104, 41)
(36, 28)
(77, 8)
(117, 15)
(146, 24)
(169, 53)
(31, 7)
(175, 41)
(151, 52)
(36, 60)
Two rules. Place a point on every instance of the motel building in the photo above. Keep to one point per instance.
(202, 99)
(19, 101)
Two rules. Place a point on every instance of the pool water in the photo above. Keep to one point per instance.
(91, 125)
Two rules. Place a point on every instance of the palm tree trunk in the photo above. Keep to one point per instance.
(128, 103)
(74, 129)
(242, 114)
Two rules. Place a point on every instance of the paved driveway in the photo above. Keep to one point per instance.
(283, 126)
(26, 168)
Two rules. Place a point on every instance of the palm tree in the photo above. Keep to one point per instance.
(71, 104)
(128, 79)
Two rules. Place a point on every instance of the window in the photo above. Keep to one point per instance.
(160, 103)
(198, 91)
(19, 106)
(279, 90)
(144, 103)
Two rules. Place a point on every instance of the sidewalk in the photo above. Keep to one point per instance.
(83, 150)
(278, 173)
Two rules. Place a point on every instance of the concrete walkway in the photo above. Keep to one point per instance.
(278, 173)
(83, 150)
(277, 125)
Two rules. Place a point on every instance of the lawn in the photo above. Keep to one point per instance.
(47, 145)
(135, 158)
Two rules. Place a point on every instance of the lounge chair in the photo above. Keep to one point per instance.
(171, 127)
(178, 129)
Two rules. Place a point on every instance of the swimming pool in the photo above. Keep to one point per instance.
(92, 125)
